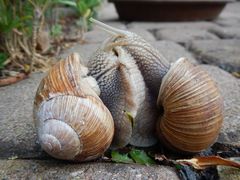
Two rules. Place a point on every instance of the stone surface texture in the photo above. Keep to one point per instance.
(184, 35)
(215, 46)
(17, 131)
(227, 32)
(222, 53)
(201, 25)
(173, 51)
(84, 50)
(32, 169)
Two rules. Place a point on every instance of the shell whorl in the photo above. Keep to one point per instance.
(193, 108)
(71, 120)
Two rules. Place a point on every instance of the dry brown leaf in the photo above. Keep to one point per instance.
(160, 157)
(204, 162)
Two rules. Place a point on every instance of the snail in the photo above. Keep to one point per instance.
(72, 122)
(122, 78)
(191, 102)
(151, 63)
(193, 108)
(129, 94)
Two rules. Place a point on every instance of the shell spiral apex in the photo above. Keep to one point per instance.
(72, 122)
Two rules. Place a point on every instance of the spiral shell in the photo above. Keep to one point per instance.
(72, 122)
(193, 108)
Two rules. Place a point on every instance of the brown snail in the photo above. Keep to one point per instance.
(122, 80)
(198, 104)
(193, 108)
(72, 122)
(151, 63)
(134, 82)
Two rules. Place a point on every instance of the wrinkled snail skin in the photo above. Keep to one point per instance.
(152, 67)
(72, 122)
(144, 134)
(151, 63)
(122, 89)
(193, 108)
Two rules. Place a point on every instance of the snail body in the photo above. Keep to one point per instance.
(123, 91)
(71, 120)
(151, 63)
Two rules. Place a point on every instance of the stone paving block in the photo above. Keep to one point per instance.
(84, 50)
(230, 89)
(116, 24)
(227, 32)
(32, 169)
(183, 35)
(107, 11)
(233, 22)
(143, 33)
(96, 36)
(231, 11)
(17, 132)
(222, 53)
(172, 51)
(201, 25)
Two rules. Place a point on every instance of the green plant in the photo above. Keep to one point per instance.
(85, 10)
(56, 30)
(19, 23)
(135, 155)
(3, 58)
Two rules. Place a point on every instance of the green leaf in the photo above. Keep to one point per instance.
(82, 7)
(140, 157)
(3, 58)
(66, 2)
(178, 166)
(56, 30)
(93, 3)
(120, 158)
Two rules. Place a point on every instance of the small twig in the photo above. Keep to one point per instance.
(26, 50)
(11, 80)
(37, 16)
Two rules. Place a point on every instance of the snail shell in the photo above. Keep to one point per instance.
(193, 108)
(71, 120)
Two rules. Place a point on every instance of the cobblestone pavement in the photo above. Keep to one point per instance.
(214, 45)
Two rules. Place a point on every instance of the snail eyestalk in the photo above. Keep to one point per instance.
(107, 28)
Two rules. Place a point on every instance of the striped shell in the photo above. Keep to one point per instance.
(72, 122)
(193, 108)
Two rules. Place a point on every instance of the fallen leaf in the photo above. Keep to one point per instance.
(160, 157)
(13, 157)
(204, 162)
(120, 158)
(141, 157)
(236, 74)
